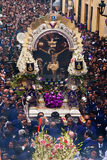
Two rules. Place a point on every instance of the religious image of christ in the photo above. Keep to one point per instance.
(54, 64)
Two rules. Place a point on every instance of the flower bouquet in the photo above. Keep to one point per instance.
(48, 149)
(53, 99)
(44, 144)
(65, 149)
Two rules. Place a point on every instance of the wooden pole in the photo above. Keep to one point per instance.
(51, 6)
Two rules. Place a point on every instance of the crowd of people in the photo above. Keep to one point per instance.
(15, 17)
(15, 129)
(95, 49)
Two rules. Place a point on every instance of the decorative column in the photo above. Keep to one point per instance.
(89, 14)
(76, 3)
(83, 12)
(63, 6)
(70, 7)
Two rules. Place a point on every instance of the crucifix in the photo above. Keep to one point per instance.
(53, 65)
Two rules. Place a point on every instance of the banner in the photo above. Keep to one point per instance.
(30, 67)
(78, 65)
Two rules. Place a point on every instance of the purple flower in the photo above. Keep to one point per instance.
(53, 100)
(83, 37)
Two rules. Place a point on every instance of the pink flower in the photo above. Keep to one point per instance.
(72, 60)
(60, 138)
(72, 145)
(60, 146)
(65, 141)
(38, 140)
(53, 152)
(75, 150)
(48, 146)
(47, 136)
(68, 146)
(56, 146)
(30, 48)
(43, 142)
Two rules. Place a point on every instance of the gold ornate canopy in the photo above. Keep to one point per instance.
(51, 23)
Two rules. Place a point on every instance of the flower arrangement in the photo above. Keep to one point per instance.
(44, 145)
(77, 57)
(21, 82)
(53, 99)
(48, 149)
(26, 54)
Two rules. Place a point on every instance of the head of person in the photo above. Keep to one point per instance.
(105, 102)
(53, 124)
(99, 104)
(94, 154)
(67, 116)
(86, 117)
(20, 116)
(88, 123)
(3, 120)
(4, 156)
(10, 144)
(105, 110)
(93, 114)
(100, 139)
(69, 121)
(71, 134)
(55, 115)
(22, 132)
(10, 126)
(40, 114)
(24, 121)
(88, 134)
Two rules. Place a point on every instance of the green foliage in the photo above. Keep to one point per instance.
(17, 82)
(82, 89)
(82, 77)
(81, 85)
(19, 93)
(19, 77)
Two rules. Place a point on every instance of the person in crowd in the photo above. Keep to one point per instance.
(102, 146)
(71, 126)
(81, 129)
(54, 130)
(40, 114)
(67, 115)
(43, 125)
(94, 155)
(88, 144)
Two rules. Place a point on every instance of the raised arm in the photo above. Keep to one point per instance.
(61, 51)
(44, 50)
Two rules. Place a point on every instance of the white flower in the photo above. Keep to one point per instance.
(84, 99)
(77, 56)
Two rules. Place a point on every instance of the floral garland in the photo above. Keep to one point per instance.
(77, 56)
(26, 56)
